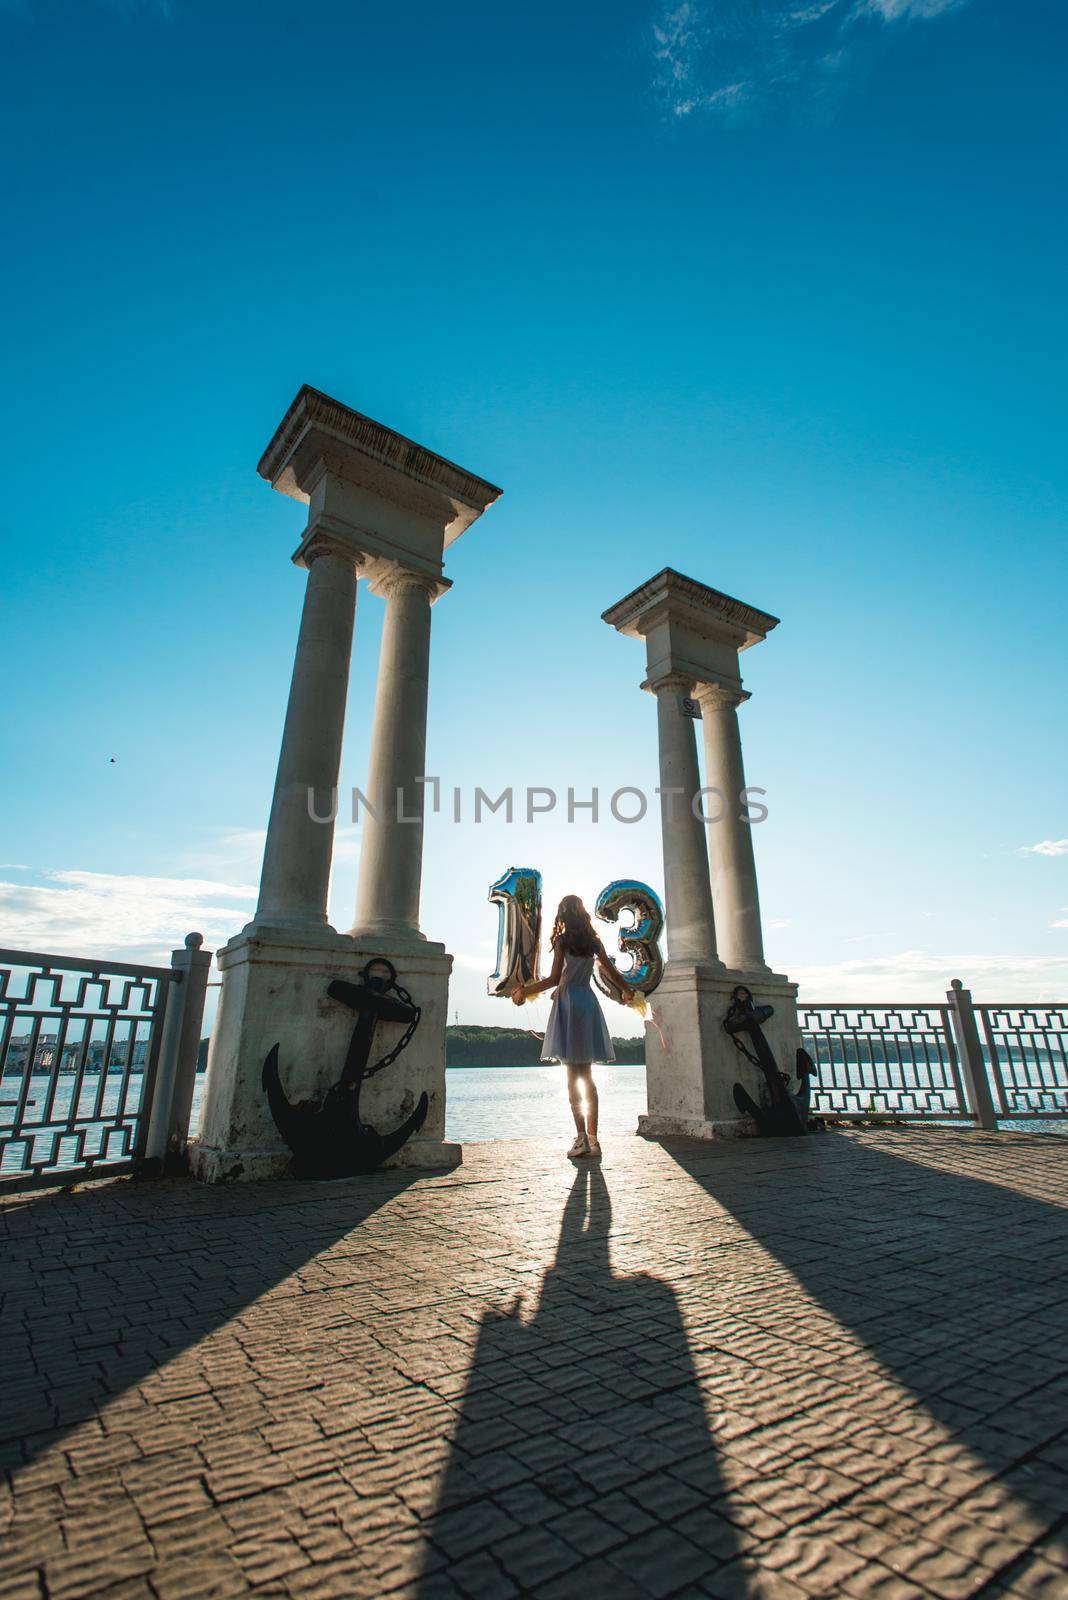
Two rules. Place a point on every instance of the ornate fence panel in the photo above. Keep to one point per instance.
(1027, 1051)
(79, 1045)
(892, 1060)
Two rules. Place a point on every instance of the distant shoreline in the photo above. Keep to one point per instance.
(450, 1066)
(466, 1045)
(469, 1046)
(525, 1066)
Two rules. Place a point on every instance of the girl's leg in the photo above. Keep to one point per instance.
(591, 1107)
(574, 1088)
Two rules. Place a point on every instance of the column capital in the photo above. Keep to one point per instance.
(720, 696)
(390, 578)
(668, 683)
(320, 542)
(342, 463)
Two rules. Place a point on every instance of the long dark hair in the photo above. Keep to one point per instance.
(573, 928)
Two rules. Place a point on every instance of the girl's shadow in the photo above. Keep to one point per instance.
(582, 1433)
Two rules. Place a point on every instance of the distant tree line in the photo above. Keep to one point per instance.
(468, 1046)
(496, 1047)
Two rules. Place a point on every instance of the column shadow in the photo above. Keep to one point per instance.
(958, 1286)
(103, 1286)
(582, 1460)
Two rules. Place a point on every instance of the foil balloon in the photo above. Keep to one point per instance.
(517, 896)
(641, 939)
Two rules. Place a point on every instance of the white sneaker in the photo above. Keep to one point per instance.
(593, 1148)
(580, 1146)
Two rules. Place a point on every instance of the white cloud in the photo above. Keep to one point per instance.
(129, 917)
(1046, 847)
(678, 41)
(211, 889)
(725, 58)
(895, 10)
(923, 975)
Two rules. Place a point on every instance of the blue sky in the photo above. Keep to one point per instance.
(772, 294)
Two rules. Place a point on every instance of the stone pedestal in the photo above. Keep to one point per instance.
(691, 1072)
(274, 992)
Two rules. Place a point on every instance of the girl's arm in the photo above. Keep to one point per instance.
(527, 991)
(613, 977)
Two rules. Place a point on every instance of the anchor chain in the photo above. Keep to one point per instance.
(405, 1038)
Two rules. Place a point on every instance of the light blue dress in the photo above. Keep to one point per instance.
(577, 1030)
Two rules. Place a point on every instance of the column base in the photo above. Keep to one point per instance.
(691, 1062)
(429, 1155)
(754, 975)
(651, 1126)
(293, 931)
(274, 992)
(392, 935)
(213, 1165)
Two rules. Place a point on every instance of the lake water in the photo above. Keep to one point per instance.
(531, 1102)
(525, 1102)
(482, 1103)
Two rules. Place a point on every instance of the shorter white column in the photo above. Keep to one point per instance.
(730, 840)
(691, 933)
(296, 858)
(391, 854)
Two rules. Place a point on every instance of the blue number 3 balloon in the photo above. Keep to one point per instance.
(641, 940)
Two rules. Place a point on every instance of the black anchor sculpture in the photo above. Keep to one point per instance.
(782, 1115)
(327, 1137)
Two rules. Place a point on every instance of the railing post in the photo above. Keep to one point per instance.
(172, 1101)
(973, 1071)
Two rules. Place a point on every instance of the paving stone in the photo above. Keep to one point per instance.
(482, 1579)
(534, 1556)
(469, 1528)
(753, 1372)
(661, 1562)
(1034, 1578)
(588, 1534)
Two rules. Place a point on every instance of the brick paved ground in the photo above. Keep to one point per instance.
(832, 1367)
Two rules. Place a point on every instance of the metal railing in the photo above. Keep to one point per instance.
(1027, 1049)
(896, 1060)
(94, 1062)
(929, 1062)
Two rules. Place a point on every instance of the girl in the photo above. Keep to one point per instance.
(576, 1033)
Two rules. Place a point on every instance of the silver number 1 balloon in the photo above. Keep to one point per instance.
(517, 896)
(641, 940)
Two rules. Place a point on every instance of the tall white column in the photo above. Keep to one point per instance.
(391, 856)
(730, 840)
(691, 930)
(296, 859)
